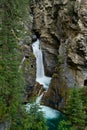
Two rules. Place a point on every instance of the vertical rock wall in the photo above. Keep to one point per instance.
(28, 67)
(5, 125)
(62, 26)
(63, 33)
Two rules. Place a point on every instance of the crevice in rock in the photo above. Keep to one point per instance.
(26, 56)
(36, 33)
(85, 82)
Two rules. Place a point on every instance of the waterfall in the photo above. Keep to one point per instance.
(40, 76)
(50, 114)
(38, 99)
(39, 59)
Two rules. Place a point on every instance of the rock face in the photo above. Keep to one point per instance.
(62, 26)
(28, 65)
(56, 95)
(27, 58)
(44, 26)
(4, 126)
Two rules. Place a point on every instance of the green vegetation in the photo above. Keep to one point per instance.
(36, 118)
(12, 83)
(83, 92)
(60, 59)
(11, 79)
(74, 111)
(70, 7)
(65, 125)
(31, 120)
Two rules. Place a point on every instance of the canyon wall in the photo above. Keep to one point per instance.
(61, 26)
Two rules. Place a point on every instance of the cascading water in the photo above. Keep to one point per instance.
(51, 115)
(39, 60)
(38, 99)
(40, 76)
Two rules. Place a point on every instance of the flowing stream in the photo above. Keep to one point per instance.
(40, 76)
(51, 115)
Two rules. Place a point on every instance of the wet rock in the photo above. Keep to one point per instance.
(56, 95)
(62, 26)
(38, 89)
(5, 125)
(27, 40)
(34, 38)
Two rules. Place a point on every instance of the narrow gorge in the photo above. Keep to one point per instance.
(50, 114)
(62, 29)
(43, 65)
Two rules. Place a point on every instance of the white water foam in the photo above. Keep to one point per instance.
(40, 76)
(49, 113)
(39, 59)
(45, 81)
(38, 99)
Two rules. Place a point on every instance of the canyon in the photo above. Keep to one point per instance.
(57, 29)
(61, 27)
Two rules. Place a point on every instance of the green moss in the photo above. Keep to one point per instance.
(55, 75)
(70, 7)
(60, 59)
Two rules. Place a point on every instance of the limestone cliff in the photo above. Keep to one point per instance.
(28, 67)
(27, 58)
(62, 27)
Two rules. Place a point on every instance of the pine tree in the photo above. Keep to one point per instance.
(75, 109)
(11, 80)
(11, 87)
(10, 77)
(66, 125)
(83, 92)
(31, 120)
(37, 120)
